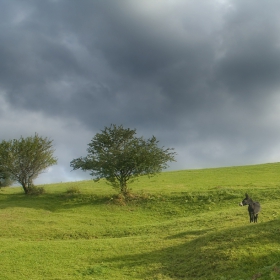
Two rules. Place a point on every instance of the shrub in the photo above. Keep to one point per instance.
(34, 190)
(73, 190)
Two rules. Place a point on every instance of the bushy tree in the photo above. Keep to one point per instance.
(25, 158)
(117, 155)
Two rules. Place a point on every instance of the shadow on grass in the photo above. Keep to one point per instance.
(190, 233)
(51, 202)
(248, 252)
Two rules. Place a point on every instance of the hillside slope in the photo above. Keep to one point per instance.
(178, 225)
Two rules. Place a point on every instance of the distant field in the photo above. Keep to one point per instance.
(177, 225)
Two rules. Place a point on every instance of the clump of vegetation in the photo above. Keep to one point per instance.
(125, 199)
(73, 190)
(5, 179)
(36, 190)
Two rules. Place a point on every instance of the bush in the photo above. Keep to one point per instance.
(73, 190)
(34, 190)
(5, 180)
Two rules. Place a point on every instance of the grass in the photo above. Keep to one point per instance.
(183, 225)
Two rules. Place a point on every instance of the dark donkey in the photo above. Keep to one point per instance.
(254, 208)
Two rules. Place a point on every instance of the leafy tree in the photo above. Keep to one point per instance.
(25, 158)
(117, 155)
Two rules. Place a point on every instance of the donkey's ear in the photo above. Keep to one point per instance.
(246, 195)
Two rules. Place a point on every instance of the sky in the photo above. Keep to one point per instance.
(202, 76)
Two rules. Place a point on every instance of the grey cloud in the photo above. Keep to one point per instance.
(250, 47)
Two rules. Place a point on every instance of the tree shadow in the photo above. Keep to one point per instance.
(189, 233)
(51, 201)
(235, 253)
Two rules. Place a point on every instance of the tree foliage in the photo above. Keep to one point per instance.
(5, 179)
(25, 158)
(117, 155)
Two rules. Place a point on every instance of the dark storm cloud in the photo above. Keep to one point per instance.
(251, 63)
(200, 75)
(136, 52)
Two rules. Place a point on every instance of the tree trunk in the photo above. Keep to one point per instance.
(24, 188)
(124, 189)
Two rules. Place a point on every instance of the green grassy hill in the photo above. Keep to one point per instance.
(178, 225)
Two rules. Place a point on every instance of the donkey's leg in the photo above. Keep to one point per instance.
(256, 218)
(251, 217)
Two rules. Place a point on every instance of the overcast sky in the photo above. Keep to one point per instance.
(201, 76)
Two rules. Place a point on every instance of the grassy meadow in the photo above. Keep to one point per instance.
(177, 225)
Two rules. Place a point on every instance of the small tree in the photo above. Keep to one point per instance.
(25, 158)
(117, 155)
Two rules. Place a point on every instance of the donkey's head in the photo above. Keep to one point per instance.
(246, 201)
